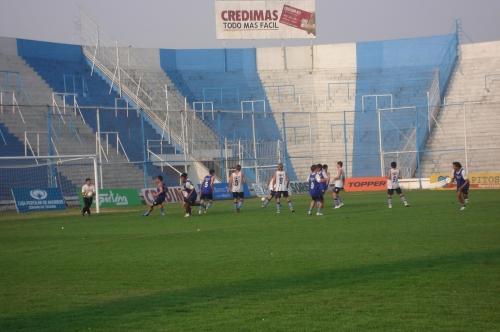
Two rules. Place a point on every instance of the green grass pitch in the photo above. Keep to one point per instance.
(363, 267)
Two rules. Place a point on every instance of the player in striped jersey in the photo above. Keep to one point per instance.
(393, 185)
(338, 185)
(236, 185)
(189, 194)
(463, 184)
(280, 183)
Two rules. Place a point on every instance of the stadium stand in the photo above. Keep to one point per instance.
(475, 90)
(48, 68)
(320, 104)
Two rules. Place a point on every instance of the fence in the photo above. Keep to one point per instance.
(130, 149)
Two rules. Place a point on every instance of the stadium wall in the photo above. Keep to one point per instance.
(52, 61)
(404, 69)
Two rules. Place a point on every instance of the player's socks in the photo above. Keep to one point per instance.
(239, 205)
(146, 214)
(319, 212)
(278, 207)
(162, 211)
(290, 206)
(266, 202)
(389, 203)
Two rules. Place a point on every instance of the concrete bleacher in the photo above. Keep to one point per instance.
(313, 96)
(467, 93)
(43, 68)
(405, 70)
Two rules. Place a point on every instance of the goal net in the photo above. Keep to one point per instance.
(65, 172)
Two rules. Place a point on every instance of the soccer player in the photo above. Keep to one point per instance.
(236, 185)
(189, 194)
(315, 190)
(160, 196)
(207, 192)
(393, 184)
(324, 175)
(338, 185)
(281, 181)
(88, 192)
(462, 181)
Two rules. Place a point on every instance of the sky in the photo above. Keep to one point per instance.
(190, 23)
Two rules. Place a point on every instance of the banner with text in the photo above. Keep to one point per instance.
(38, 199)
(478, 180)
(173, 195)
(378, 183)
(109, 198)
(265, 19)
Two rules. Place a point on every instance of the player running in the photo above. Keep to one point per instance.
(160, 195)
(207, 192)
(280, 183)
(236, 185)
(338, 186)
(189, 194)
(463, 183)
(315, 190)
(393, 184)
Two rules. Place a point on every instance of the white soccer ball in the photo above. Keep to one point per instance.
(263, 199)
(90, 194)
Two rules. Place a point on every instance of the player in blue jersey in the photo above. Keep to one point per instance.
(160, 195)
(189, 194)
(316, 182)
(462, 181)
(207, 192)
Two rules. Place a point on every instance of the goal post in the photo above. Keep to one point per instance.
(66, 172)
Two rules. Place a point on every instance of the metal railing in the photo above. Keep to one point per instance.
(13, 103)
(111, 137)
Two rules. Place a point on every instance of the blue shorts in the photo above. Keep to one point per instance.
(160, 199)
(317, 197)
(464, 190)
(207, 197)
(191, 199)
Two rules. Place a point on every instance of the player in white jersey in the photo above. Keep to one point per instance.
(338, 185)
(236, 185)
(393, 185)
(88, 193)
(279, 183)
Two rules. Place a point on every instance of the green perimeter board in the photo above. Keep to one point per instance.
(116, 197)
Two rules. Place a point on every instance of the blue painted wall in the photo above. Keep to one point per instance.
(403, 68)
(52, 61)
(224, 77)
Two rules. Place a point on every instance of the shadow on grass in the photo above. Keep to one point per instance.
(174, 302)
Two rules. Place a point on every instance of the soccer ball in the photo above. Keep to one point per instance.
(89, 194)
(263, 199)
